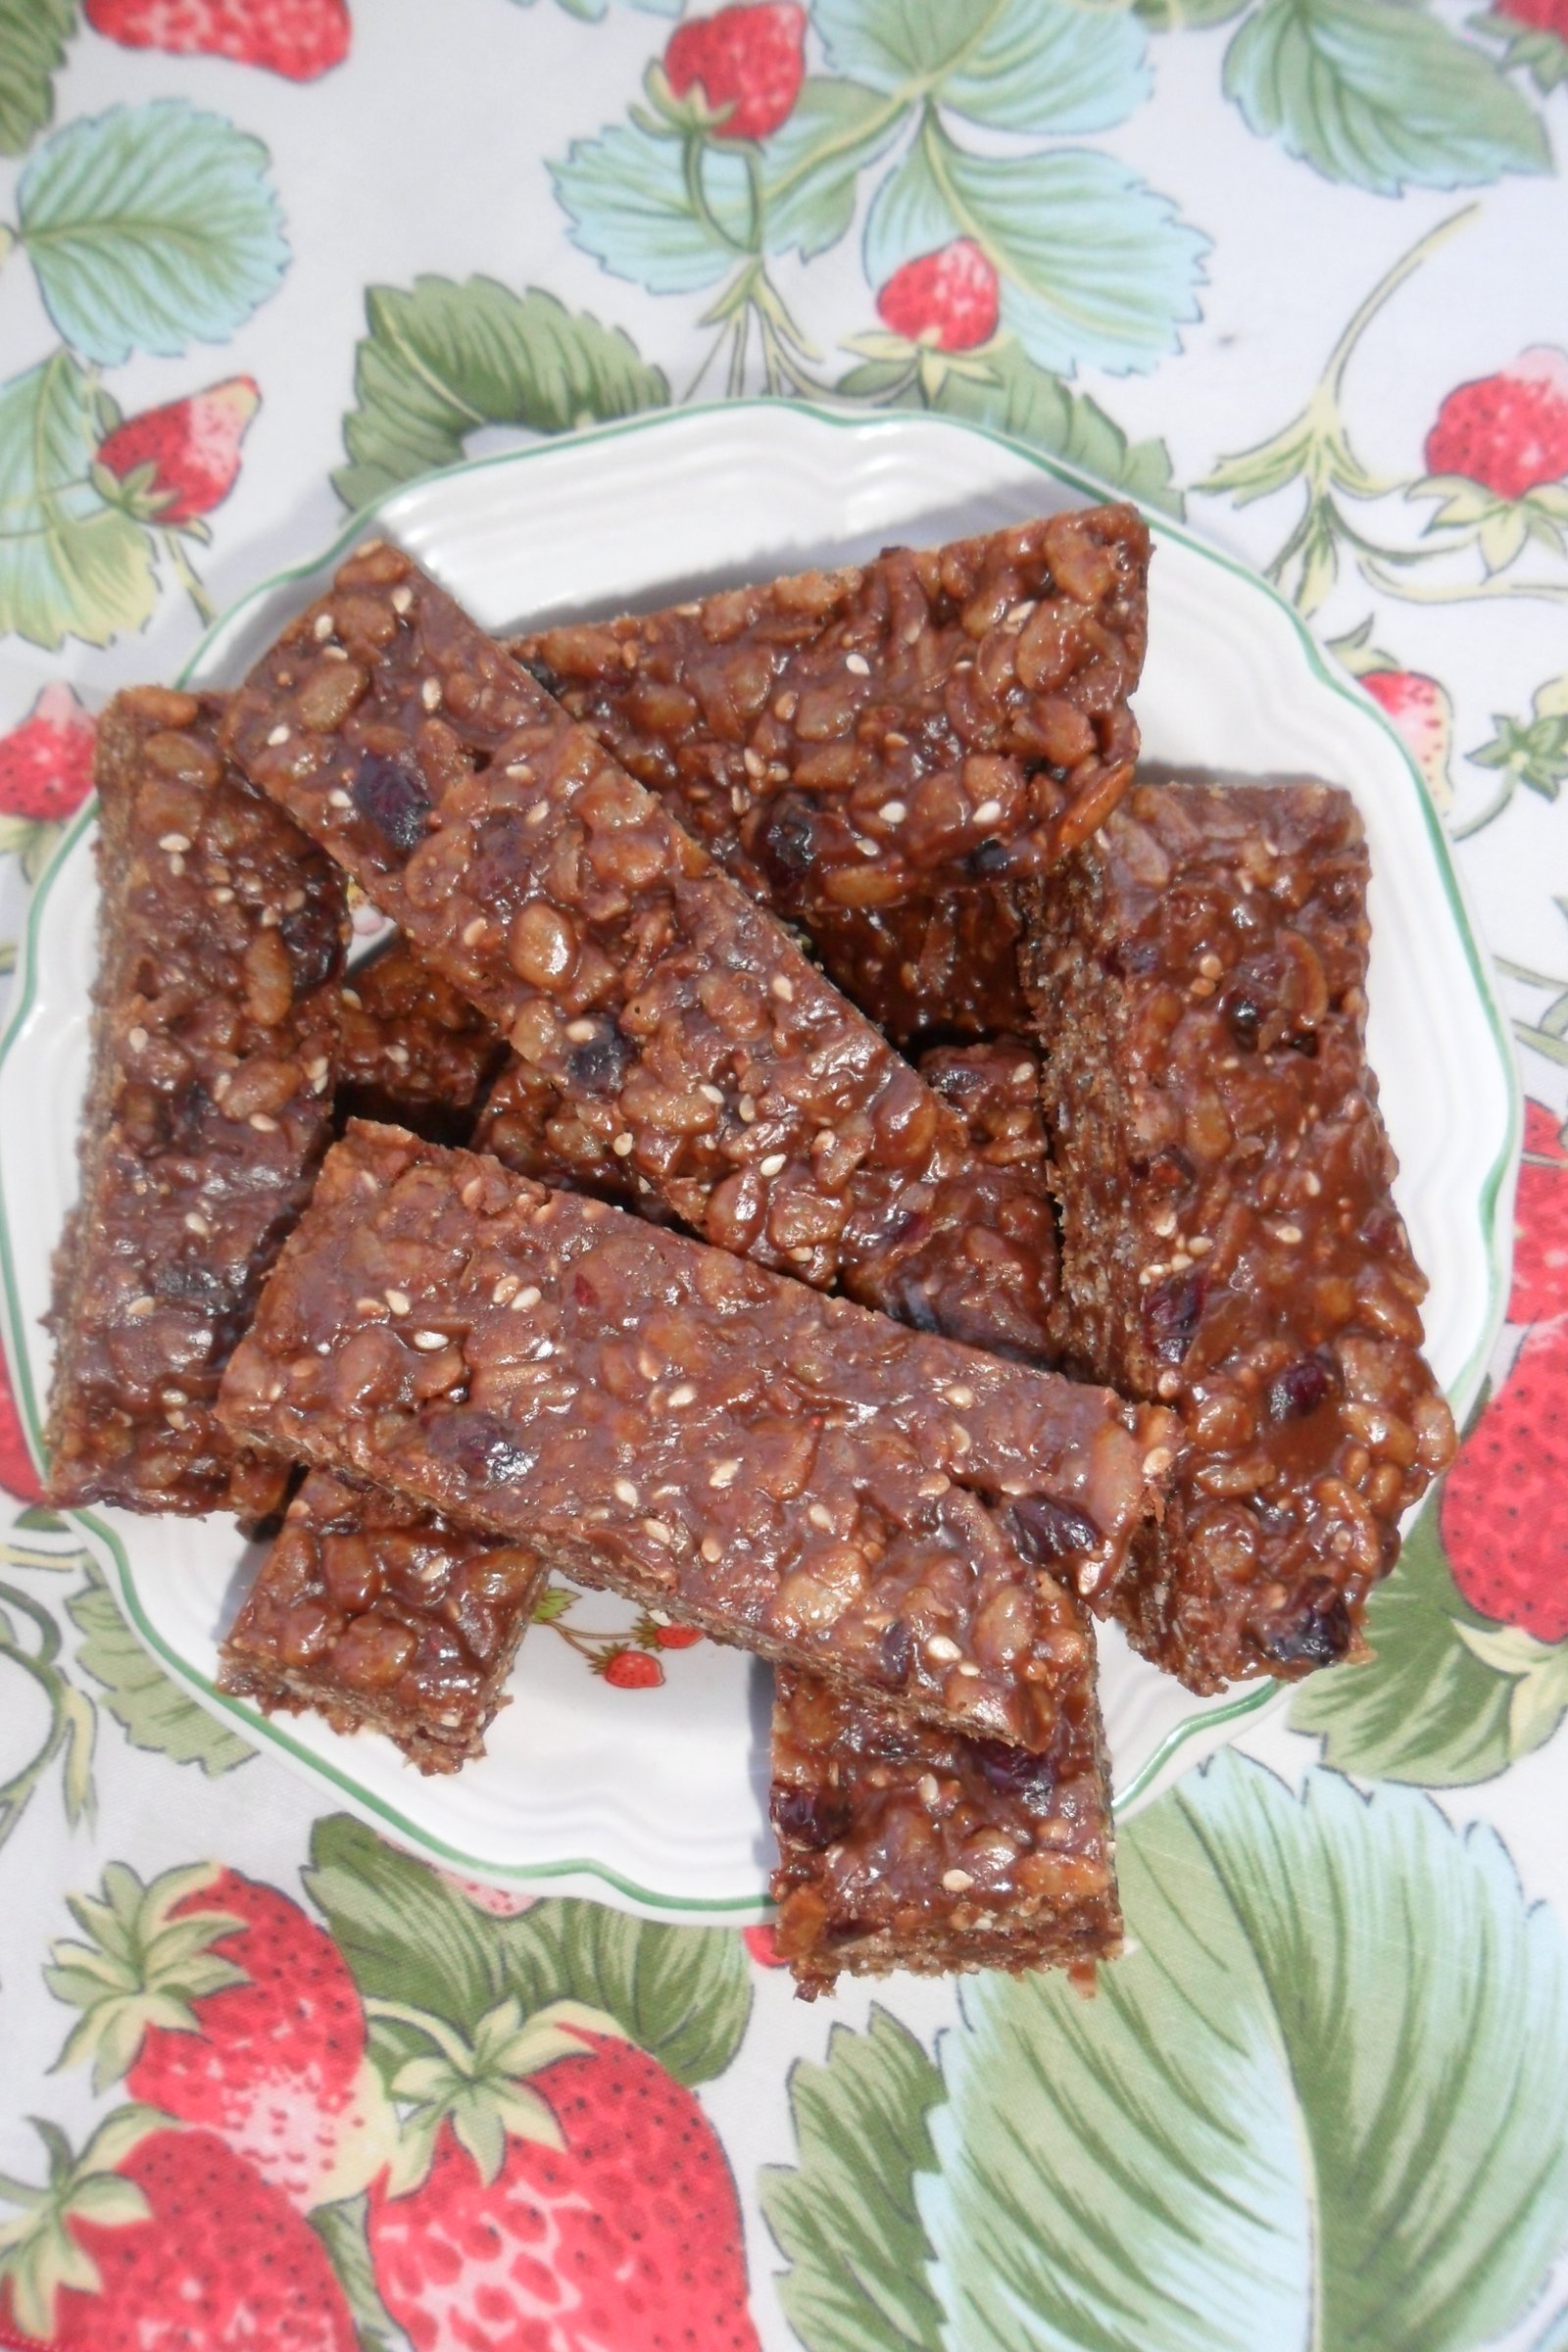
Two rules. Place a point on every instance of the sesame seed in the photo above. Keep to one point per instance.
(804, 1253)
(338, 798)
(747, 1109)
(526, 1298)
(927, 1788)
(1157, 1461)
(1311, 1184)
(472, 1193)
(754, 763)
(140, 1306)
(402, 599)
(961, 1440)
(537, 813)
(323, 626)
(892, 812)
(969, 1671)
(278, 736)
(222, 898)
(712, 1549)
(786, 705)
(858, 664)
(196, 1224)
(1165, 1224)
(892, 741)
(737, 801)
(783, 989)
(956, 1881)
(772, 1165)
(621, 1146)
(658, 1532)
(429, 1341)
(581, 1033)
(959, 1395)
(369, 1306)
(1210, 966)
(1290, 1235)
(474, 931)
(262, 1123)
(173, 842)
(398, 1301)
(988, 813)
(819, 1516)
(724, 1474)
(943, 1649)
(684, 1394)
(1180, 1260)
(431, 693)
(222, 1084)
(709, 1094)
(176, 865)
(625, 1492)
(334, 653)
(135, 1039)
(1200, 1245)
(935, 1484)
(399, 1054)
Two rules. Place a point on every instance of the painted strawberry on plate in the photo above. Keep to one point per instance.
(158, 2239)
(557, 2188)
(1421, 710)
(45, 775)
(1540, 1222)
(1506, 1502)
(297, 39)
(948, 298)
(172, 463)
(220, 2003)
(17, 1473)
(1497, 457)
(748, 64)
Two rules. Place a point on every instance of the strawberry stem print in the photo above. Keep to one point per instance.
(31, 1646)
(1509, 430)
(1532, 752)
(626, 1661)
(1548, 1034)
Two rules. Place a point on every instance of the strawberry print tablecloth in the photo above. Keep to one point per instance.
(1296, 269)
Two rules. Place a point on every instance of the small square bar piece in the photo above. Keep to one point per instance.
(906, 1845)
(379, 1616)
(215, 1037)
(787, 1472)
(1230, 1240)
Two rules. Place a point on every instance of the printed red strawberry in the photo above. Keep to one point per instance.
(221, 2003)
(1505, 1504)
(1540, 1223)
(628, 1669)
(180, 460)
(46, 762)
(657, 1632)
(1535, 33)
(947, 298)
(748, 63)
(557, 2189)
(18, 1474)
(1509, 432)
(1543, 16)
(297, 39)
(762, 1944)
(161, 2240)
(1424, 714)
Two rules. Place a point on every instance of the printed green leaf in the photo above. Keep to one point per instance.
(668, 213)
(682, 1993)
(1319, 2102)
(1036, 407)
(1380, 94)
(1425, 1708)
(844, 2217)
(341, 2230)
(150, 228)
(152, 1711)
(812, 165)
(70, 565)
(1187, 16)
(1013, 65)
(443, 359)
(1095, 270)
(32, 47)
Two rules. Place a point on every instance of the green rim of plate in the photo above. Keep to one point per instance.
(258, 1728)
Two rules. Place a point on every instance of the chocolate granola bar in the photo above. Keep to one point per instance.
(909, 1846)
(1231, 1244)
(377, 1615)
(222, 931)
(411, 1048)
(672, 1013)
(782, 1470)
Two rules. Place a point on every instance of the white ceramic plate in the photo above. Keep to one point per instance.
(656, 1798)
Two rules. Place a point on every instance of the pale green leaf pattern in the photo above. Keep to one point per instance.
(152, 1711)
(444, 359)
(32, 46)
(1380, 94)
(812, 163)
(1034, 65)
(1095, 270)
(1016, 397)
(846, 2219)
(70, 566)
(341, 2230)
(150, 228)
(1319, 2102)
(661, 211)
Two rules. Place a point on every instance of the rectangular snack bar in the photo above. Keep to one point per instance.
(215, 1034)
(857, 738)
(1230, 1240)
(784, 1471)
(411, 1048)
(673, 1012)
(909, 1846)
(377, 1614)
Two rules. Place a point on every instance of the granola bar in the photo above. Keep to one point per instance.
(533, 1128)
(413, 1050)
(222, 932)
(375, 1614)
(784, 1471)
(910, 1845)
(676, 1014)
(1231, 1244)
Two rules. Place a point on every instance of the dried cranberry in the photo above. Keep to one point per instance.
(809, 1817)
(479, 1446)
(184, 1283)
(582, 1289)
(314, 945)
(1384, 1230)
(1169, 1169)
(189, 1113)
(503, 853)
(391, 795)
(1018, 1772)
(1313, 1631)
(1305, 1043)
(896, 1654)
(1172, 1314)
(1298, 1390)
(1244, 1016)
(1046, 1532)
(543, 675)
(1131, 956)
(601, 1065)
(788, 843)
(989, 858)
